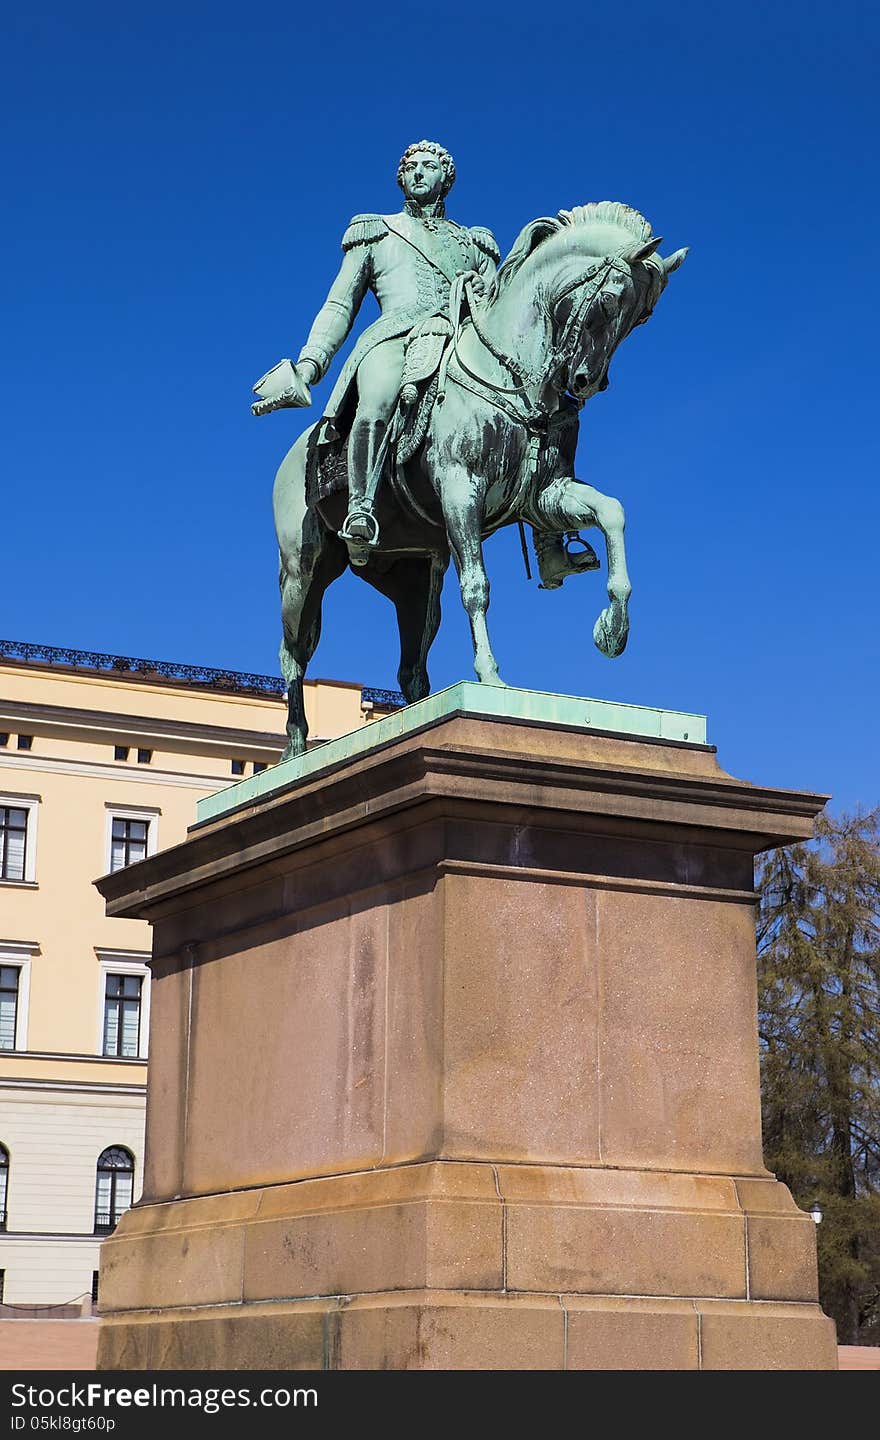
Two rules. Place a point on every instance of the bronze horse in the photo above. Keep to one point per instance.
(498, 450)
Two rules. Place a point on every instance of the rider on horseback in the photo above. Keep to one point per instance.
(409, 260)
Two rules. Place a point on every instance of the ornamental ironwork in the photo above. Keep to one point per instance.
(202, 676)
(386, 699)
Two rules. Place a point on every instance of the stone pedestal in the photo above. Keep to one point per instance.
(454, 1064)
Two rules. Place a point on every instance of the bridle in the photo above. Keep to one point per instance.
(574, 324)
(532, 416)
(558, 362)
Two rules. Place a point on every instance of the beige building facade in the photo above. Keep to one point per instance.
(102, 760)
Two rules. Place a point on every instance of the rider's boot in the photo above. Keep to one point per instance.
(557, 559)
(360, 530)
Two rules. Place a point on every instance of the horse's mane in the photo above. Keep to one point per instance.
(600, 215)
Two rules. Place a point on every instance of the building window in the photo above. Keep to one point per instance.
(95, 1278)
(4, 738)
(113, 1187)
(120, 752)
(145, 757)
(25, 742)
(15, 989)
(18, 838)
(8, 1006)
(260, 766)
(238, 767)
(128, 842)
(4, 1184)
(122, 1015)
(2, 1285)
(131, 834)
(123, 1004)
(13, 842)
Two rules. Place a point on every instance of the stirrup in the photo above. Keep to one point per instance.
(561, 554)
(360, 512)
(359, 546)
(579, 551)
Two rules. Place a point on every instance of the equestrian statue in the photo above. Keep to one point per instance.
(455, 414)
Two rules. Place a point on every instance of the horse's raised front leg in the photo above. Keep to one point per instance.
(571, 505)
(462, 511)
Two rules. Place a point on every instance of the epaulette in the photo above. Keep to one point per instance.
(363, 229)
(485, 241)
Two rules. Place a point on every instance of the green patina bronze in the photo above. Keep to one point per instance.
(466, 698)
(455, 414)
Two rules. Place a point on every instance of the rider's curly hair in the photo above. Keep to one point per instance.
(446, 161)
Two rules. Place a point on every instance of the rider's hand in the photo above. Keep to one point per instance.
(478, 285)
(308, 371)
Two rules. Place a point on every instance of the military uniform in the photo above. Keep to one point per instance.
(409, 262)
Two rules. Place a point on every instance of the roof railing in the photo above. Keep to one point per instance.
(236, 682)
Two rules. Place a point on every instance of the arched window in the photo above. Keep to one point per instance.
(113, 1188)
(4, 1184)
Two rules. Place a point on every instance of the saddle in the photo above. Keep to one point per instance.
(425, 347)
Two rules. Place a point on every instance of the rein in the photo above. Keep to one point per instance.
(534, 419)
(558, 360)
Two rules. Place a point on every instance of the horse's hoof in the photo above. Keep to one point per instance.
(609, 638)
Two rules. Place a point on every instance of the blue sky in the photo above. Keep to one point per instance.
(176, 182)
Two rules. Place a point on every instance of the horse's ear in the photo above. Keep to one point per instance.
(672, 262)
(643, 250)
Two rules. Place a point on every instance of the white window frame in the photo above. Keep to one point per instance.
(124, 962)
(18, 953)
(116, 1145)
(30, 803)
(127, 812)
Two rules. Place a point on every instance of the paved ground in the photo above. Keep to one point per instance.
(72, 1345)
(859, 1357)
(48, 1344)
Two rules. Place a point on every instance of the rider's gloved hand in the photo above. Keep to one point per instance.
(308, 371)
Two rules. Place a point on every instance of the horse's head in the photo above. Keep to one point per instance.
(618, 278)
(600, 275)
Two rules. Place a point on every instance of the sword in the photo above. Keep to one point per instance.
(525, 549)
